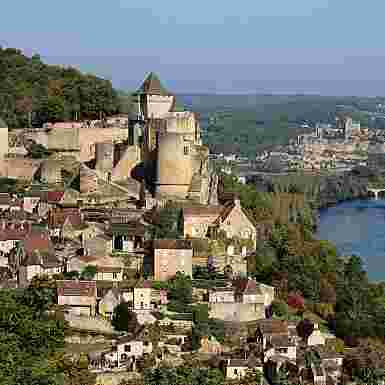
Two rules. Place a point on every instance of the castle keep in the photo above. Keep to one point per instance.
(154, 154)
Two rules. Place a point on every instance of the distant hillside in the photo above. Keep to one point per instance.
(30, 89)
(250, 123)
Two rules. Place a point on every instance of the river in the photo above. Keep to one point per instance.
(357, 227)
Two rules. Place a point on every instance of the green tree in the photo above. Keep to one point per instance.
(88, 273)
(123, 319)
(280, 309)
(167, 224)
(27, 340)
(180, 293)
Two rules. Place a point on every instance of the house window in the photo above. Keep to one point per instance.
(127, 348)
(123, 357)
(185, 150)
(141, 305)
(228, 223)
(283, 350)
(114, 275)
(236, 371)
(145, 343)
(114, 349)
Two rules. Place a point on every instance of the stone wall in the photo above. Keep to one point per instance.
(115, 377)
(237, 312)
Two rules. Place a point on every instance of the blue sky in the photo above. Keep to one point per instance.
(313, 46)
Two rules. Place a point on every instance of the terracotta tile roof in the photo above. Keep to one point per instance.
(5, 199)
(172, 244)
(39, 250)
(55, 196)
(108, 269)
(272, 326)
(14, 231)
(76, 288)
(211, 211)
(279, 341)
(88, 258)
(57, 217)
(132, 228)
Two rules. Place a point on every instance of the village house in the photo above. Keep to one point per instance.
(11, 233)
(244, 301)
(210, 345)
(237, 368)
(127, 237)
(316, 337)
(143, 297)
(65, 223)
(280, 346)
(108, 303)
(171, 256)
(100, 245)
(5, 201)
(269, 328)
(78, 297)
(201, 222)
(107, 268)
(125, 352)
(37, 257)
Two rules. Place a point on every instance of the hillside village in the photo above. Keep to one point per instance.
(149, 258)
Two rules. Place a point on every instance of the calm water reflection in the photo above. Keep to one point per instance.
(357, 227)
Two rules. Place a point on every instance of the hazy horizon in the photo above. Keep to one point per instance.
(269, 47)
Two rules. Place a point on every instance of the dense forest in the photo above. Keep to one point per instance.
(32, 92)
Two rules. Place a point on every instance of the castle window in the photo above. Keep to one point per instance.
(186, 150)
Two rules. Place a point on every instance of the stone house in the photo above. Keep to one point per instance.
(201, 222)
(143, 297)
(5, 201)
(79, 297)
(100, 245)
(125, 351)
(30, 203)
(237, 368)
(222, 295)
(37, 257)
(11, 233)
(245, 301)
(281, 346)
(171, 256)
(127, 237)
(209, 345)
(64, 222)
(108, 268)
(269, 328)
(108, 303)
(316, 337)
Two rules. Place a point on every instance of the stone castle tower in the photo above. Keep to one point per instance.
(171, 150)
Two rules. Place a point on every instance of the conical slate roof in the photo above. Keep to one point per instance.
(152, 86)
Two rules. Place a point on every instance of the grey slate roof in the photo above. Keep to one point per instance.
(152, 86)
